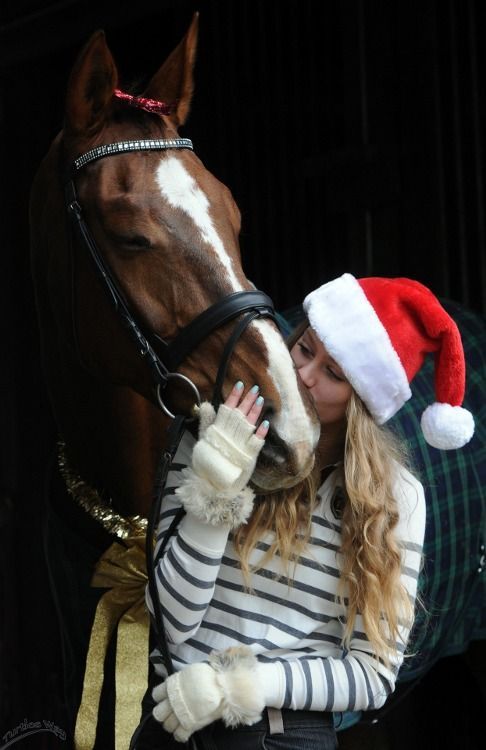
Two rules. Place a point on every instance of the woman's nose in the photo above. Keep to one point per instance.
(307, 375)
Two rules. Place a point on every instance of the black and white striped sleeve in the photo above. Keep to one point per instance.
(358, 680)
(186, 574)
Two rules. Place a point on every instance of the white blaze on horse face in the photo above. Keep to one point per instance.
(292, 423)
(179, 188)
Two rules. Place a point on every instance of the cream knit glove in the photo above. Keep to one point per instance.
(226, 688)
(214, 488)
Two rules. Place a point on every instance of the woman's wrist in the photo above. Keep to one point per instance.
(205, 537)
(271, 677)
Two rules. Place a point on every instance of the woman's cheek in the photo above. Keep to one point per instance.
(331, 403)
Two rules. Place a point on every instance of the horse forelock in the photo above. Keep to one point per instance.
(179, 188)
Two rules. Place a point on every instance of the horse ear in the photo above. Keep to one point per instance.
(174, 81)
(92, 82)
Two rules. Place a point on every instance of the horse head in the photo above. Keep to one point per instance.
(168, 231)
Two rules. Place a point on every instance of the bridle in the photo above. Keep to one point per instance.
(246, 305)
(249, 304)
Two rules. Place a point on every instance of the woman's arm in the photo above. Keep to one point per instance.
(358, 681)
(215, 497)
(186, 574)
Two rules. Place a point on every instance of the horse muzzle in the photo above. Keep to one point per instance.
(280, 465)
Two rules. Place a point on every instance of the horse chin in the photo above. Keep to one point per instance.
(268, 484)
(281, 466)
(268, 478)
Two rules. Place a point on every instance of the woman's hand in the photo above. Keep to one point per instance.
(229, 443)
(250, 404)
(227, 688)
(223, 460)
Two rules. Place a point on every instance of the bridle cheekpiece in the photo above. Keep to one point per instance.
(249, 304)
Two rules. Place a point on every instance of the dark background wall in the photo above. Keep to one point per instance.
(352, 142)
(355, 142)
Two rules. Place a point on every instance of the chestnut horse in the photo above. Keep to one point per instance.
(165, 237)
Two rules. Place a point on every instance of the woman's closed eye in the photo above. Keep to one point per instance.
(304, 349)
(334, 375)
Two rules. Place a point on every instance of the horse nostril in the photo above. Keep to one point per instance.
(268, 410)
(269, 454)
(274, 449)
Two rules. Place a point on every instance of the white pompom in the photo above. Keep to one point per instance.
(446, 427)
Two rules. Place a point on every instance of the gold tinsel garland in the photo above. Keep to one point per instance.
(89, 499)
(121, 613)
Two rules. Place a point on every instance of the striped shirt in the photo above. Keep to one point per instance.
(293, 625)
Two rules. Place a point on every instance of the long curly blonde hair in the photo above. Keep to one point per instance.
(288, 514)
(370, 583)
(370, 578)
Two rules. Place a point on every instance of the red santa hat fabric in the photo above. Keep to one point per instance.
(379, 331)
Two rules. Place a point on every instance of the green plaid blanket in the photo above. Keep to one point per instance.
(452, 584)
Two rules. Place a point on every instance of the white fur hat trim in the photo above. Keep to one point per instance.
(348, 326)
(446, 427)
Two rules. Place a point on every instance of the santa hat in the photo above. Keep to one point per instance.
(379, 331)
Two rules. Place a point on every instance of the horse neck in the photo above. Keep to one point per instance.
(114, 438)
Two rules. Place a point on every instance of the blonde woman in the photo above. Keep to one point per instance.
(281, 610)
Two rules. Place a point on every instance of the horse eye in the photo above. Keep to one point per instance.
(133, 242)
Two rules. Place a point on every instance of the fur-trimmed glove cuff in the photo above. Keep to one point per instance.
(223, 508)
(214, 488)
(226, 688)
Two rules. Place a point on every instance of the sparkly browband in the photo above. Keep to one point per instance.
(149, 105)
(154, 144)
